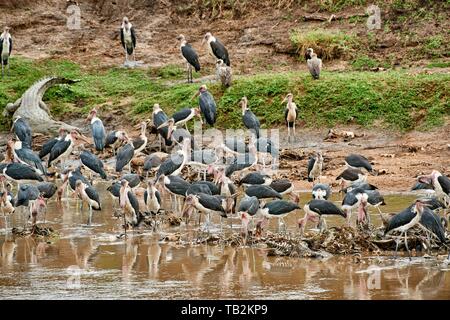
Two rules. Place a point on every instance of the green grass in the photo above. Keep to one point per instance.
(439, 64)
(392, 98)
(327, 44)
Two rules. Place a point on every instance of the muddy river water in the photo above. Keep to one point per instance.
(93, 263)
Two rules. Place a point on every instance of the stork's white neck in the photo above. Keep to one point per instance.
(95, 118)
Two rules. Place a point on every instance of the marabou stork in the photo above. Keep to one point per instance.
(190, 56)
(27, 194)
(290, 115)
(62, 149)
(406, 220)
(114, 139)
(114, 190)
(124, 155)
(19, 172)
(359, 185)
(6, 45)
(130, 206)
(256, 177)
(25, 155)
(440, 183)
(224, 73)
(89, 195)
(357, 161)
(215, 190)
(174, 164)
(134, 180)
(159, 118)
(128, 38)
(247, 209)
(207, 105)
(422, 186)
(315, 167)
(37, 207)
(93, 163)
(282, 186)
(175, 186)
(47, 189)
(6, 203)
(278, 209)
(197, 188)
(243, 162)
(251, 122)
(153, 161)
(228, 189)
(314, 64)
(321, 191)
(350, 175)
(215, 48)
(315, 210)
(184, 115)
(141, 142)
(152, 198)
(47, 146)
(22, 130)
(98, 130)
(265, 147)
(262, 192)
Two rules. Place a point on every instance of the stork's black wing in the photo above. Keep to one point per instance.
(432, 222)
(93, 162)
(47, 147)
(178, 185)
(93, 194)
(208, 107)
(114, 189)
(134, 201)
(124, 155)
(278, 207)
(47, 189)
(251, 122)
(133, 37)
(10, 44)
(220, 51)
(99, 135)
(138, 142)
(191, 56)
(122, 38)
(181, 114)
(400, 219)
(324, 207)
(58, 149)
(311, 162)
(110, 138)
(281, 185)
(445, 184)
(211, 202)
(19, 171)
(133, 179)
(170, 165)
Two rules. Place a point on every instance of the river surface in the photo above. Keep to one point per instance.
(91, 262)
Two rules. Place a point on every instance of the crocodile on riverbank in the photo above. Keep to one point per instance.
(31, 107)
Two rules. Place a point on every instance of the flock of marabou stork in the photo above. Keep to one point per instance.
(231, 163)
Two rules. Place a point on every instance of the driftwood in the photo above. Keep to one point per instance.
(31, 107)
(332, 17)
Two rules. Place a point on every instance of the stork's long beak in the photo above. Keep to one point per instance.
(425, 179)
(84, 138)
(284, 100)
(203, 41)
(138, 126)
(195, 95)
(165, 124)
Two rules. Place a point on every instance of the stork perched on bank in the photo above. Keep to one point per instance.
(124, 155)
(290, 115)
(175, 186)
(26, 156)
(183, 116)
(63, 148)
(315, 164)
(6, 45)
(207, 105)
(215, 48)
(224, 73)
(141, 142)
(114, 139)
(357, 161)
(251, 122)
(315, 210)
(159, 118)
(128, 39)
(190, 56)
(314, 64)
(47, 146)
(22, 130)
(98, 130)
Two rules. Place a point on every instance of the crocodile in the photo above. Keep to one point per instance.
(31, 107)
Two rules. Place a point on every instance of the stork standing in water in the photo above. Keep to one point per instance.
(89, 195)
(128, 39)
(215, 48)
(321, 191)
(129, 205)
(290, 115)
(6, 45)
(224, 73)
(404, 221)
(190, 56)
(207, 105)
(315, 167)
(278, 209)
(37, 207)
(62, 149)
(314, 64)
(22, 130)
(315, 209)
(152, 198)
(6, 201)
(98, 130)
(93, 163)
(251, 122)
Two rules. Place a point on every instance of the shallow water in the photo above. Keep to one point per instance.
(91, 263)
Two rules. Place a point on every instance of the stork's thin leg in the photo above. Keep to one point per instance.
(129, 166)
(2, 69)
(126, 56)
(160, 143)
(293, 129)
(90, 215)
(289, 133)
(8, 71)
(406, 245)
(397, 241)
